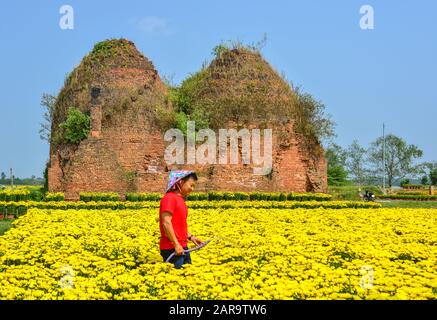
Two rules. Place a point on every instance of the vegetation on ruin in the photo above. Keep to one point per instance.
(239, 87)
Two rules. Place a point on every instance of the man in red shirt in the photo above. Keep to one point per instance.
(173, 214)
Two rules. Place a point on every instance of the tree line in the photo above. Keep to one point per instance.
(32, 181)
(359, 165)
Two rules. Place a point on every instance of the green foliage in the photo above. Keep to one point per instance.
(337, 176)
(240, 196)
(130, 176)
(14, 195)
(424, 180)
(182, 100)
(22, 193)
(105, 48)
(219, 49)
(77, 126)
(46, 177)
(240, 87)
(415, 197)
(19, 208)
(413, 186)
(409, 204)
(399, 159)
(239, 45)
(404, 182)
(268, 196)
(183, 96)
(430, 170)
(433, 176)
(5, 225)
(181, 122)
(196, 196)
(351, 192)
(418, 190)
(313, 120)
(92, 71)
(111, 48)
(54, 196)
(335, 155)
(99, 196)
(36, 194)
(32, 181)
(336, 158)
(48, 103)
(356, 163)
(149, 196)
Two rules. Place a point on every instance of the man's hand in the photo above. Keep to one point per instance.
(196, 241)
(179, 250)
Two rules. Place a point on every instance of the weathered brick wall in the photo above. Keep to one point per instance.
(122, 158)
(128, 158)
(94, 168)
(294, 169)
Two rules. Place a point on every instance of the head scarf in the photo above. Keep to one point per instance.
(175, 176)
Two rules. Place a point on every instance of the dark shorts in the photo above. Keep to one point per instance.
(178, 261)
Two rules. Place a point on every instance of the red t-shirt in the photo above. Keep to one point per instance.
(174, 203)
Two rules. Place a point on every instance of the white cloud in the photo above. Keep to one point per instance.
(152, 25)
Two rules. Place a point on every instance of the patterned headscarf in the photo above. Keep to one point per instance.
(175, 176)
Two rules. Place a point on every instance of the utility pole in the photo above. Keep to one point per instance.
(383, 157)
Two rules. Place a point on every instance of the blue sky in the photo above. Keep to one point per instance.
(365, 77)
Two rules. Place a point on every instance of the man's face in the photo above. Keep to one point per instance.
(188, 186)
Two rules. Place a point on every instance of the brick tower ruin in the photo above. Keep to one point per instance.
(130, 110)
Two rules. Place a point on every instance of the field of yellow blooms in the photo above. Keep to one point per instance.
(256, 253)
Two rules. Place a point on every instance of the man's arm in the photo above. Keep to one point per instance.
(194, 239)
(169, 232)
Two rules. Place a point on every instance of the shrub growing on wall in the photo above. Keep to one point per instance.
(76, 127)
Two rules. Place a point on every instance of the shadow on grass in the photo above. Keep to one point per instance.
(5, 225)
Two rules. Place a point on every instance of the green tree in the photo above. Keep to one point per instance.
(424, 180)
(316, 121)
(3, 176)
(336, 158)
(404, 182)
(429, 169)
(356, 162)
(76, 127)
(46, 177)
(399, 158)
(48, 103)
(433, 176)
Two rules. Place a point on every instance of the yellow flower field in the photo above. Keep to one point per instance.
(255, 254)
